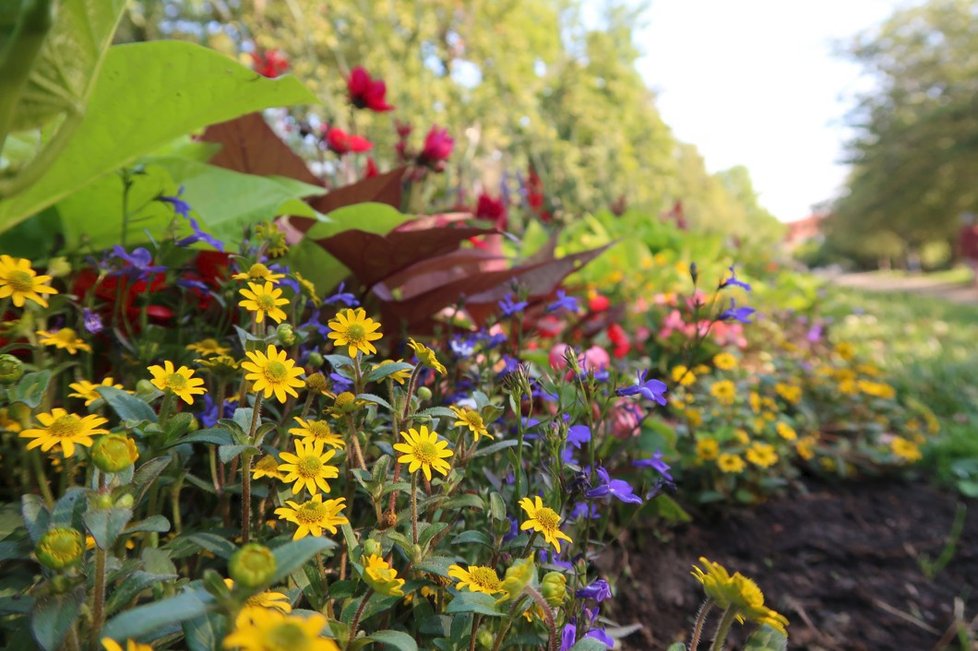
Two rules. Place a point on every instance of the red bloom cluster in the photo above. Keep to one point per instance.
(437, 149)
(367, 93)
(270, 63)
(493, 210)
(534, 195)
(341, 142)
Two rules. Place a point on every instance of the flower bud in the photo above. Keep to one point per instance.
(424, 393)
(60, 548)
(346, 403)
(372, 547)
(103, 501)
(315, 359)
(11, 369)
(125, 502)
(485, 638)
(60, 584)
(285, 335)
(553, 587)
(114, 452)
(316, 382)
(518, 576)
(59, 267)
(252, 566)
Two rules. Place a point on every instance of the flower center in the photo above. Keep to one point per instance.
(266, 302)
(355, 332)
(320, 430)
(176, 382)
(22, 281)
(311, 512)
(309, 466)
(426, 452)
(275, 371)
(547, 518)
(64, 427)
(485, 577)
(286, 637)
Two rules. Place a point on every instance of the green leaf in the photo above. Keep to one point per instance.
(132, 586)
(229, 452)
(473, 602)
(370, 397)
(127, 406)
(471, 536)
(496, 447)
(395, 640)
(385, 370)
(144, 620)
(437, 564)
(215, 435)
(290, 556)
(36, 515)
(68, 509)
(31, 388)
(182, 85)
(205, 633)
(52, 616)
(147, 474)
(497, 507)
(589, 644)
(154, 523)
(105, 525)
(217, 545)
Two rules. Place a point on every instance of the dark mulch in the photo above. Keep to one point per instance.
(840, 561)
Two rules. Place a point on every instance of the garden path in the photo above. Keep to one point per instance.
(955, 292)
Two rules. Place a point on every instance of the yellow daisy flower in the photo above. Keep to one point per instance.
(426, 356)
(742, 436)
(785, 431)
(707, 449)
(724, 391)
(355, 330)
(380, 576)
(903, 448)
(268, 599)
(264, 300)
(544, 520)
(398, 376)
(65, 430)
(180, 381)
(309, 288)
(730, 463)
(762, 455)
(737, 592)
(477, 578)
(8, 424)
(805, 447)
(208, 346)
(273, 372)
(19, 282)
(258, 271)
(424, 450)
(309, 467)
(473, 420)
(267, 466)
(317, 430)
(131, 645)
(725, 361)
(63, 339)
(789, 392)
(265, 629)
(755, 401)
(313, 516)
(683, 376)
(88, 391)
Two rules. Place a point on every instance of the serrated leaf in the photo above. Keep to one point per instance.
(395, 639)
(290, 556)
(53, 616)
(127, 406)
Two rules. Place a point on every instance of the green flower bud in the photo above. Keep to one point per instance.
(553, 587)
(103, 501)
(424, 393)
(485, 638)
(518, 576)
(252, 566)
(114, 452)
(316, 359)
(60, 548)
(11, 369)
(60, 584)
(372, 547)
(125, 502)
(285, 335)
(59, 267)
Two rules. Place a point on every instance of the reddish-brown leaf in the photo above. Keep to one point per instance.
(383, 188)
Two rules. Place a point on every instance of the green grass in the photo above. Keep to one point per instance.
(960, 275)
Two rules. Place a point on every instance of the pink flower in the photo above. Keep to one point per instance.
(371, 169)
(557, 357)
(342, 142)
(492, 209)
(437, 148)
(594, 358)
(625, 419)
(365, 92)
(672, 323)
(270, 63)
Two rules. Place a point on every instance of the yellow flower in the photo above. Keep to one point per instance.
(19, 282)
(790, 392)
(219, 364)
(380, 576)
(8, 424)
(707, 449)
(314, 515)
(258, 271)
(265, 629)
(742, 436)
(805, 447)
(845, 350)
(208, 346)
(762, 455)
(63, 339)
(544, 520)
(273, 372)
(716, 581)
(477, 578)
(426, 356)
(785, 431)
(847, 387)
(308, 286)
(398, 376)
(63, 429)
(87, 391)
(131, 645)
(473, 420)
(264, 300)
(725, 361)
(274, 239)
(694, 417)
(267, 466)
(355, 330)
(755, 401)
(309, 467)
(876, 389)
(180, 381)
(730, 463)
(424, 450)
(738, 593)
(268, 599)
(724, 391)
(317, 430)
(906, 450)
(683, 376)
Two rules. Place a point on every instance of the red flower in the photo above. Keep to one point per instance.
(492, 209)
(622, 345)
(534, 195)
(212, 267)
(438, 147)
(109, 289)
(270, 63)
(342, 142)
(366, 92)
(371, 170)
(598, 302)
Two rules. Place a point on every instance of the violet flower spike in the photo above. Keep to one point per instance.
(734, 313)
(92, 321)
(510, 307)
(732, 280)
(655, 462)
(617, 488)
(654, 390)
(563, 302)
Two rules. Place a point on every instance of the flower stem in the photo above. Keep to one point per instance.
(414, 508)
(548, 616)
(98, 591)
(507, 622)
(701, 615)
(355, 624)
(723, 628)
(42, 479)
(246, 473)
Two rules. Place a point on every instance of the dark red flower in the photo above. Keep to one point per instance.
(212, 267)
(492, 209)
(270, 63)
(143, 290)
(598, 303)
(618, 337)
(342, 142)
(403, 129)
(366, 92)
(437, 148)
(371, 170)
(534, 195)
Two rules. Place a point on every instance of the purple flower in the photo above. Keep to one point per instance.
(656, 462)
(209, 416)
(462, 347)
(340, 383)
(577, 435)
(599, 635)
(313, 323)
(550, 557)
(139, 263)
(654, 390)
(815, 333)
(92, 321)
(514, 529)
(732, 280)
(599, 590)
(509, 307)
(620, 489)
(491, 341)
(510, 365)
(568, 636)
(734, 313)
(190, 283)
(587, 510)
(180, 206)
(563, 302)
(339, 296)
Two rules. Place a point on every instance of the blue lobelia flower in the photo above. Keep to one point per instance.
(510, 307)
(654, 390)
(339, 296)
(655, 462)
(734, 313)
(92, 321)
(732, 280)
(620, 489)
(139, 263)
(563, 302)
(598, 590)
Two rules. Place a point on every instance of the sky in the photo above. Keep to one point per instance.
(756, 83)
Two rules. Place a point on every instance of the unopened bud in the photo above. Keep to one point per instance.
(285, 335)
(316, 382)
(553, 587)
(252, 566)
(11, 369)
(372, 547)
(60, 548)
(114, 452)
(424, 393)
(315, 359)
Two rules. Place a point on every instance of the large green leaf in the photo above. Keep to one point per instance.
(146, 95)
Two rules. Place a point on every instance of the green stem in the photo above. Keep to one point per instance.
(98, 592)
(723, 628)
(548, 616)
(355, 624)
(42, 479)
(508, 622)
(701, 615)
(246, 473)
(414, 508)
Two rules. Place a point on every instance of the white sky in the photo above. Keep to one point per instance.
(754, 82)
